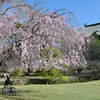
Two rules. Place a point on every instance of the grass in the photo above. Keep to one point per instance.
(71, 91)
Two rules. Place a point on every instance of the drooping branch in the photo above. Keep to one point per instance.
(37, 3)
(34, 27)
(69, 13)
(12, 7)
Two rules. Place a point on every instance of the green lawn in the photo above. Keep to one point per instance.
(71, 91)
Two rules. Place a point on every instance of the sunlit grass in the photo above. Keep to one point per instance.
(71, 91)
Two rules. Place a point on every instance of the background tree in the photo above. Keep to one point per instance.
(92, 56)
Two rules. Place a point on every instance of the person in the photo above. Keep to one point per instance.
(7, 82)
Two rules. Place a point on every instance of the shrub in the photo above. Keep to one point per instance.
(82, 79)
(53, 76)
(59, 80)
(17, 73)
(73, 79)
(51, 73)
(64, 79)
(42, 72)
(54, 72)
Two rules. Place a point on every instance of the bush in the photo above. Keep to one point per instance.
(59, 80)
(73, 79)
(42, 72)
(82, 79)
(64, 79)
(53, 76)
(54, 72)
(17, 73)
(51, 73)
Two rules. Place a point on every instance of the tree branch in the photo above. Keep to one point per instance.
(12, 7)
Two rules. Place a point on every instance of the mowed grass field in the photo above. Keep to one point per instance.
(70, 91)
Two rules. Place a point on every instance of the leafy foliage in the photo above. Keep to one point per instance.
(95, 36)
(19, 25)
(92, 56)
(17, 73)
(56, 53)
(50, 73)
(64, 79)
(53, 76)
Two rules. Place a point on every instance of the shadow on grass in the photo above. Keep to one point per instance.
(19, 92)
(21, 95)
(30, 93)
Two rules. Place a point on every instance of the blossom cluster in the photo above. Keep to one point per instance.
(37, 31)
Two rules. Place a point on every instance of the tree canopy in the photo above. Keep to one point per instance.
(35, 30)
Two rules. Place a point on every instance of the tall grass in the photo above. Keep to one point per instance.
(71, 91)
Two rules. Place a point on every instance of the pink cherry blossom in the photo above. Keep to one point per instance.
(35, 31)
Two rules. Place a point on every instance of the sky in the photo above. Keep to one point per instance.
(85, 11)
